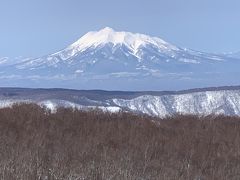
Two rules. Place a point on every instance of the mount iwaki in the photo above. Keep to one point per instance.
(112, 60)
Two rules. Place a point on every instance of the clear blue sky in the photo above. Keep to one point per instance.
(38, 27)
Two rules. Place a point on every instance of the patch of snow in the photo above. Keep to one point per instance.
(3, 60)
(79, 71)
(193, 61)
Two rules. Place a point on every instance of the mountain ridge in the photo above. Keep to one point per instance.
(216, 100)
(112, 60)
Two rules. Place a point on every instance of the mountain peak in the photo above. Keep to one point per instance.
(108, 35)
(107, 30)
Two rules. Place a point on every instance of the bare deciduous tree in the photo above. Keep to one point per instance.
(78, 145)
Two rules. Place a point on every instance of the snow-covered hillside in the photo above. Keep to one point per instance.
(210, 102)
(225, 100)
(112, 60)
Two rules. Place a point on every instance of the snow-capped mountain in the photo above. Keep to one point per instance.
(106, 44)
(225, 100)
(110, 60)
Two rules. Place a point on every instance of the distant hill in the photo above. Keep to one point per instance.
(214, 100)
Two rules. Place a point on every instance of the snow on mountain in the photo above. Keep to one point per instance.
(10, 102)
(233, 54)
(3, 60)
(93, 41)
(109, 44)
(112, 60)
(225, 100)
(53, 105)
(108, 35)
(201, 103)
(6, 61)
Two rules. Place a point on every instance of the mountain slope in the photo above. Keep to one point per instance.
(233, 55)
(222, 100)
(203, 103)
(112, 60)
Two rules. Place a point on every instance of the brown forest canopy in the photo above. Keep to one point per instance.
(73, 144)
